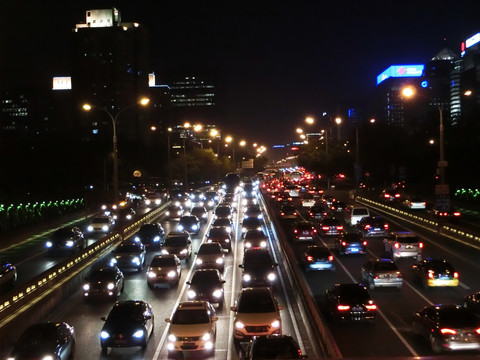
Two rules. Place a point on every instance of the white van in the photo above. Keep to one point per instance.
(357, 213)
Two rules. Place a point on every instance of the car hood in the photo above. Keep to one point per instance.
(185, 330)
(257, 318)
(34, 351)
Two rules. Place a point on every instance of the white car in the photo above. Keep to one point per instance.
(308, 201)
(102, 224)
(358, 213)
(192, 329)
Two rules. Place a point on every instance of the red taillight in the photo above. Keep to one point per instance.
(343, 307)
(344, 243)
(309, 258)
(397, 195)
(431, 274)
(295, 231)
(455, 275)
(330, 258)
(397, 246)
(364, 243)
(456, 213)
(282, 213)
(447, 331)
(371, 307)
(386, 196)
(385, 226)
(340, 228)
(367, 227)
(314, 231)
(420, 245)
(399, 274)
(478, 331)
(299, 353)
(325, 228)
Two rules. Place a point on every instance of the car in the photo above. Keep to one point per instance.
(415, 203)
(200, 212)
(373, 226)
(152, 235)
(124, 215)
(255, 239)
(192, 328)
(197, 197)
(251, 224)
(189, 223)
(274, 347)
(174, 210)
(390, 195)
(106, 282)
(304, 230)
(212, 198)
(8, 275)
(473, 302)
(249, 190)
(330, 226)
(318, 212)
(49, 340)
(152, 199)
(178, 243)
(221, 235)
(164, 270)
(448, 327)
(308, 200)
(225, 223)
(403, 244)
(288, 212)
(350, 302)
(316, 257)
(446, 213)
(65, 240)
(129, 255)
(357, 213)
(129, 323)
(256, 313)
(207, 285)
(210, 256)
(223, 210)
(258, 268)
(351, 243)
(433, 272)
(381, 273)
(101, 224)
(253, 211)
(338, 206)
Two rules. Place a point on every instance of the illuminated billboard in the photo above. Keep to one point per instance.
(472, 40)
(401, 71)
(62, 83)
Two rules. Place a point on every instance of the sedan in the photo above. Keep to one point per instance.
(200, 212)
(381, 273)
(318, 212)
(226, 223)
(251, 224)
(129, 323)
(258, 268)
(101, 224)
(65, 240)
(415, 203)
(45, 341)
(316, 257)
(8, 275)
(105, 282)
(351, 243)
(207, 285)
(373, 226)
(330, 226)
(164, 269)
(274, 347)
(435, 272)
(189, 223)
(129, 255)
(304, 230)
(174, 210)
(448, 327)
(255, 239)
(210, 256)
(350, 302)
(151, 235)
(288, 212)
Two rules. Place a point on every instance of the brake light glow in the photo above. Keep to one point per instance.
(420, 245)
(397, 195)
(364, 243)
(344, 243)
(309, 258)
(325, 228)
(330, 258)
(431, 274)
(397, 246)
(456, 213)
(385, 226)
(478, 331)
(343, 307)
(447, 331)
(455, 275)
(295, 231)
(371, 307)
(367, 227)
(340, 227)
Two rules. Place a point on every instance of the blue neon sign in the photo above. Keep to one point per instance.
(401, 71)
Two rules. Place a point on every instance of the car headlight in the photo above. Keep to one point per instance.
(110, 286)
(164, 251)
(136, 260)
(171, 274)
(206, 337)
(48, 244)
(219, 261)
(275, 324)
(217, 293)
(239, 325)
(172, 338)
(129, 217)
(229, 229)
(244, 229)
(113, 261)
(167, 213)
(156, 239)
(138, 334)
(247, 277)
(198, 261)
(69, 243)
(47, 357)
(195, 227)
(184, 251)
(180, 227)
(137, 238)
(191, 294)
(271, 277)
(158, 202)
(104, 335)
(105, 227)
(90, 228)
(177, 203)
(151, 274)
(86, 287)
(263, 244)
(260, 217)
(248, 245)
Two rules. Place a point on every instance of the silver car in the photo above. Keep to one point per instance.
(403, 244)
(381, 273)
(164, 269)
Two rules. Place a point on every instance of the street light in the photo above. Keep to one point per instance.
(88, 107)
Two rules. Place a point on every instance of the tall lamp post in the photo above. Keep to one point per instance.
(113, 118)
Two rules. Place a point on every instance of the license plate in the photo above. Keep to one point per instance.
(354, 250)
(408, 247)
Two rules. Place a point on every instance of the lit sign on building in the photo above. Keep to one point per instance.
(472, 41)
(62, 83)
(401, 71)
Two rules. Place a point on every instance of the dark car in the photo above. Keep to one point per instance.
(105, 282)
(274, 347)
(221, 235)
(174, 210)
(251, 224)
(448, 327)
(178, 243)
(258, 268)
(164, 269)
(8, 275)
(255, 239)
(206, 284)
(129, 255)
(129, 323)
(124, 215)
(288, 212)
(66, 240)
(304, 230)
(351, 243)
(318, 212)
(253, 211)
(390, 195)
(151, 235)
(330, 226)
(350, 302)
(189, 223)
(446, 213)
(45, 341)
(316, 257)
(211, 199)
(338, 206)
(433, 272)
(223, 211)
(210, 256)
(372, 226)
(200, 212)
(226, 223)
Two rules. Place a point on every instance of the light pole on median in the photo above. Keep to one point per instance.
(113, 118)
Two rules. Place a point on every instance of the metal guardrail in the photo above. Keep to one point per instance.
(38, 288)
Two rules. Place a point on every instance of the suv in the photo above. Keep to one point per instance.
(401, 244)
(192, 328)
(256, 313)
(357, 213)
(258, 268)
(372, 226)
(178, 243)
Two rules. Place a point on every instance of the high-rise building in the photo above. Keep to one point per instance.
(470, 80)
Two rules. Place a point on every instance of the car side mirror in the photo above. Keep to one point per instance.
(196, 253)
(224, 281)
(275, 264)
(103, 318)
(215, 318)
(168, 320)
(280, 307)
(188, 283)
(233, 308)
(148, 317)
(240, 266)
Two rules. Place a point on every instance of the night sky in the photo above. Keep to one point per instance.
(275, 61)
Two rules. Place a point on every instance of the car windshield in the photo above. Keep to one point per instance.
(148, 230)
(62, 234)
(163, 262)
(351, 237)
(330, 222)
(39, 334)
(221, 222)
(458, 318)
(354, 294)
(251, 222)
(206, 277)
(124, 312)
(318, 251)
(188, 220)
(303, 227)
(256, 302)
(407, 239)
(274, 349)
(175, 241)
(127, 248)
(385, 266)
(207, 249)
(257, 259)
(440, 266)
(215, 232)
(100, 220)
(222, 211)
(102, 275)
(191, 316)
(360, 211)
